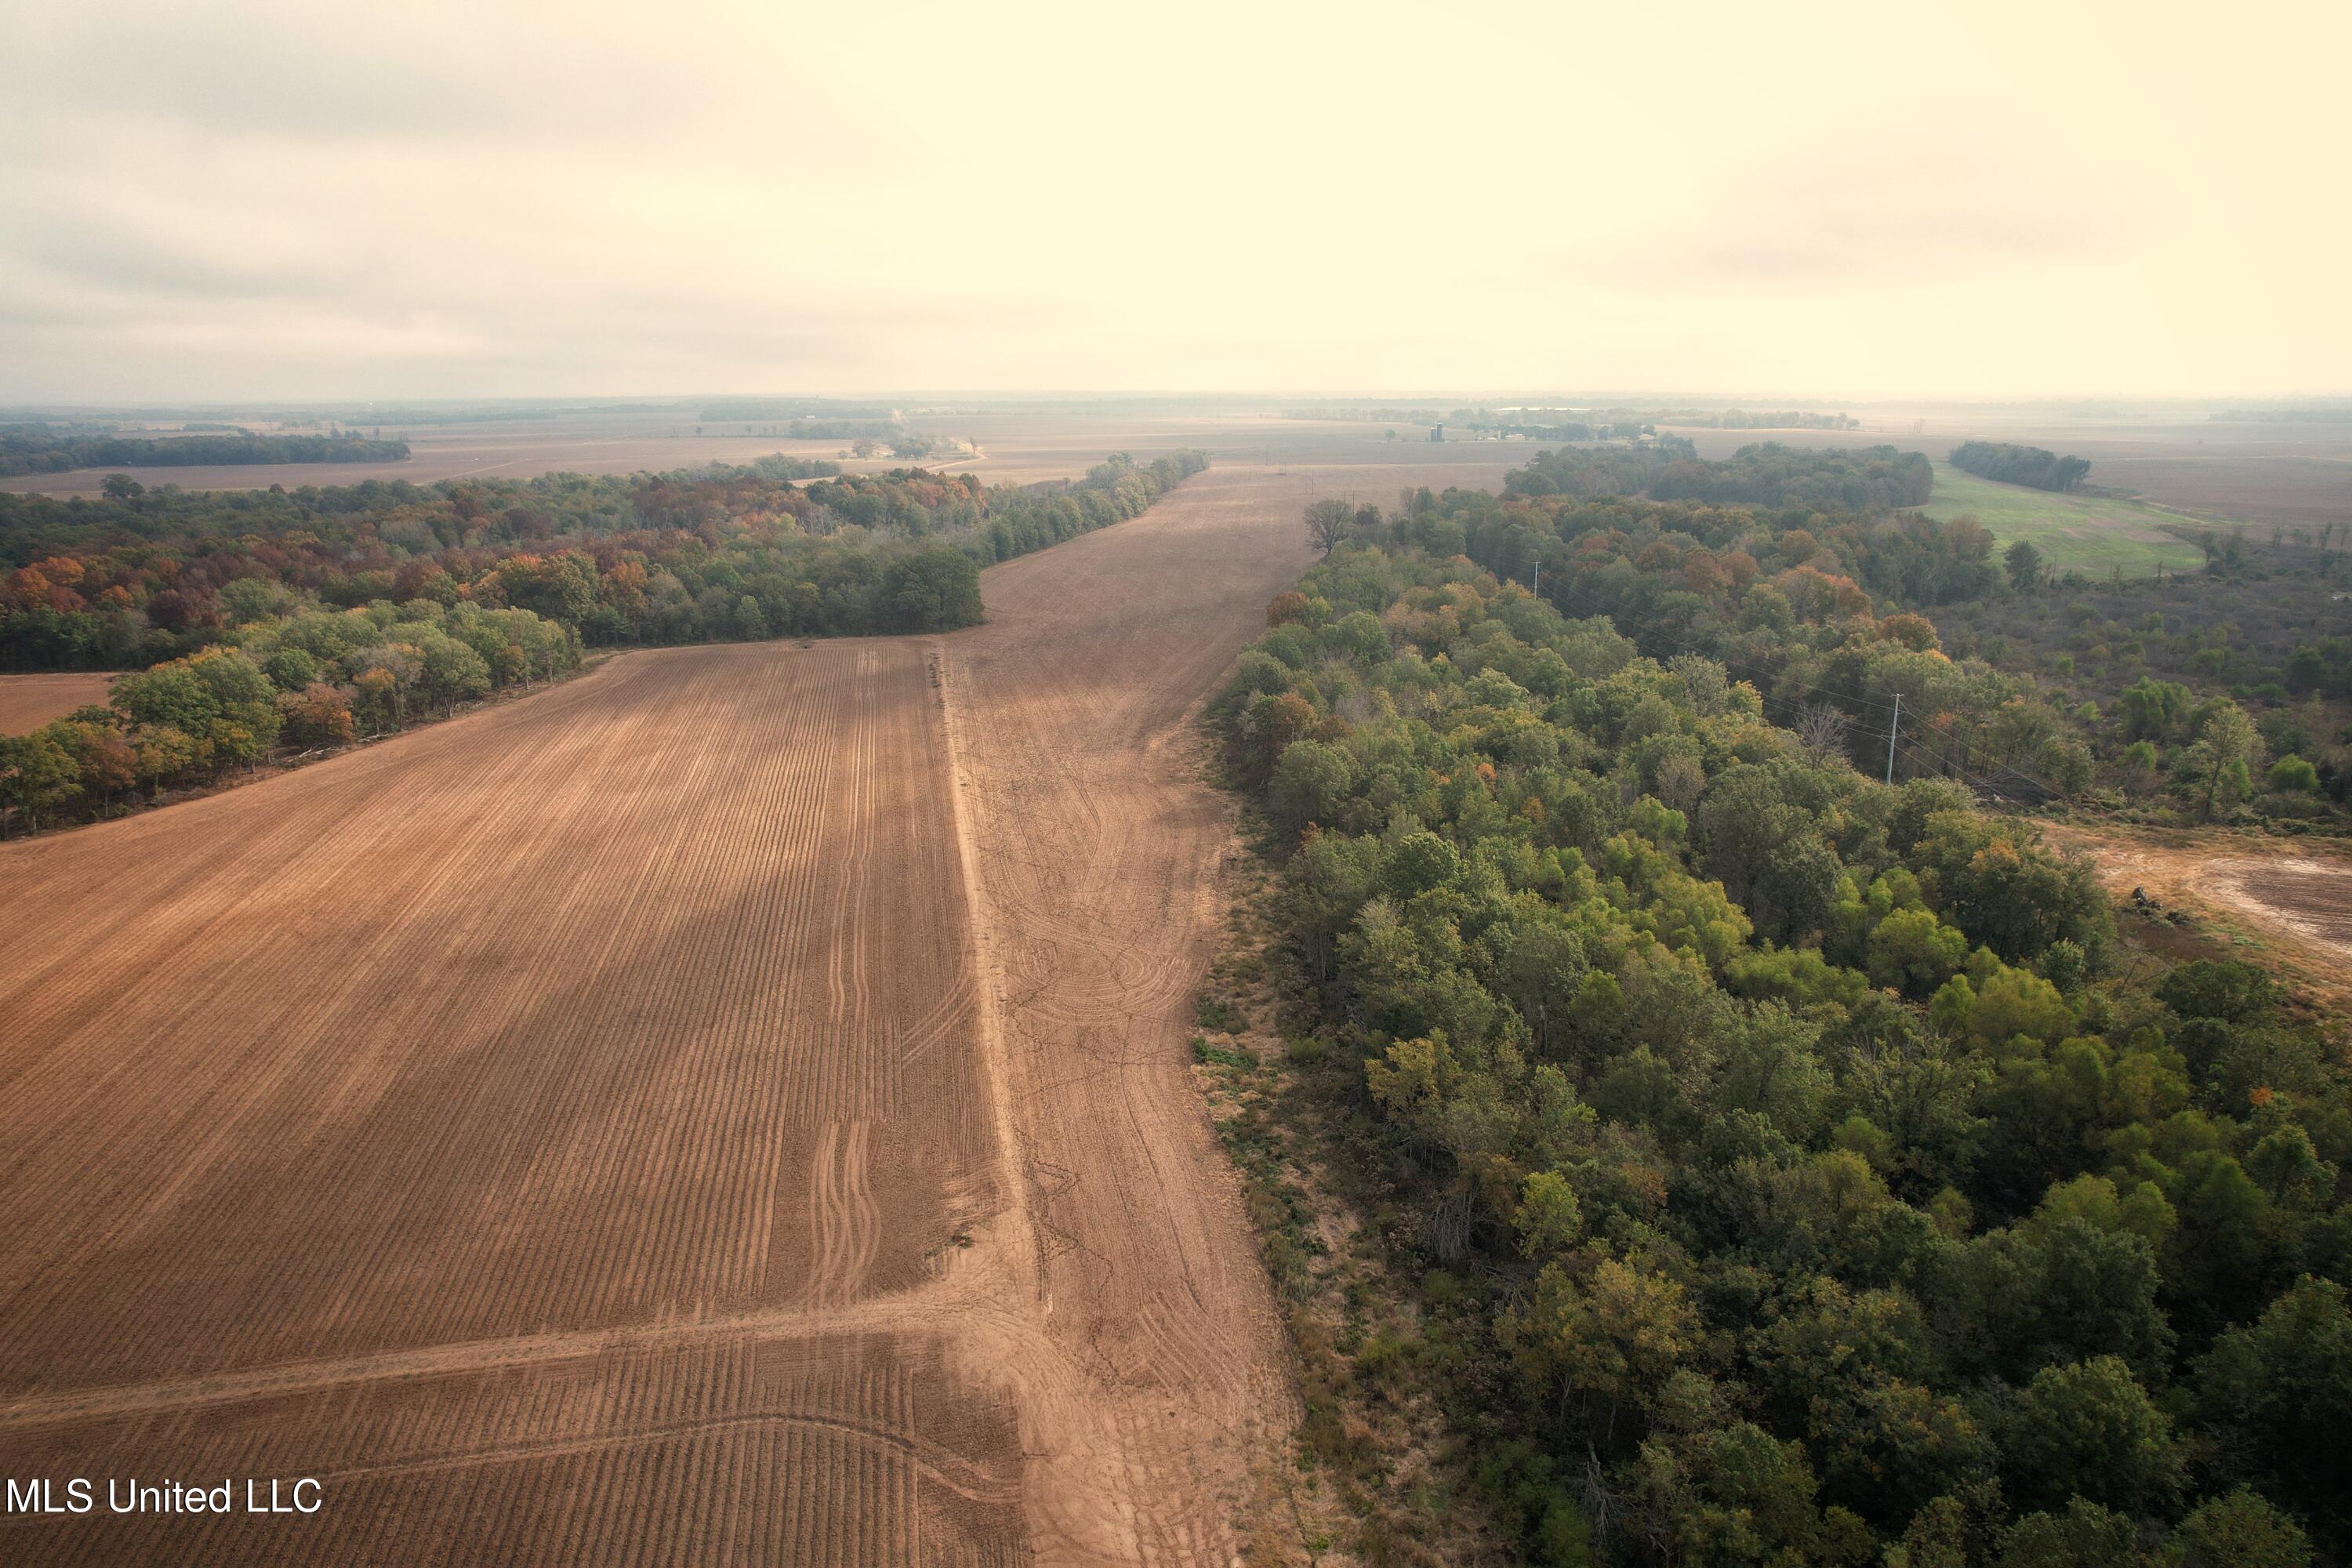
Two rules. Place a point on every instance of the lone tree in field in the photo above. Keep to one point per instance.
(1328, 525)
(2024, 565)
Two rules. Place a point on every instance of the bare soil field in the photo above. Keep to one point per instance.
(29, 702)
(491, 1118)
(2287, 906)
(734, 1107)
(2298, 489)
(2310, 896)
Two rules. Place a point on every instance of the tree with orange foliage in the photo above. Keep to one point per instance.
(1913, 632)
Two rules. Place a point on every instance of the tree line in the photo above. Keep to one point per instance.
(280, 683)
(2013, 465)
(32, 449)
(777, 548)
(1765, 474)
(1793, 1171)
(268, 621)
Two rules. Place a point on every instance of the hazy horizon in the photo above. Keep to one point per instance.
(938, 402)
(1979, 204)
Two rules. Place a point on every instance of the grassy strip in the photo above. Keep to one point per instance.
(1392, 1359)
(2093, 534)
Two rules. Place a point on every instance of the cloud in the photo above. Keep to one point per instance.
(1901, 207)
(97, 254)
(240, 73)
(266, 198)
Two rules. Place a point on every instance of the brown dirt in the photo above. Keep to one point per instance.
(480, 1117)
(29, 702)
(2287, 906)
(666, 1120)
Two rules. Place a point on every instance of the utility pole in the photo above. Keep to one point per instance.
(1538, 588)
(1892, 726)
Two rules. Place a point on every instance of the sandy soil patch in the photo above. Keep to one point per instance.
(2286, 905)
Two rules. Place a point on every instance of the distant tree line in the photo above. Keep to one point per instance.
(885, 430)
(1745, 419)
(715, 554)
(1766, 474)
(1583, 423)
(774, 409)
(1378, 413)
(23, 451)
(2013, 465)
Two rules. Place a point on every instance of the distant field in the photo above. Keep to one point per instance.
(29, 702)
(2091, 532)
(1021, 449)
(521, 450)
(2294, 474)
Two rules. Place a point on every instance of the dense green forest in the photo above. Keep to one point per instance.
(1794, 1169)
(2215, 697)
(2013, 465)
(265, 620)
(34, 449)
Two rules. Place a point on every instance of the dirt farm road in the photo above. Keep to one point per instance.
(734, 1108)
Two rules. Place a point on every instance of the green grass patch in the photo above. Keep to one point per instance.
(1219, 1015)
(2093, 534)
(1223, 1056)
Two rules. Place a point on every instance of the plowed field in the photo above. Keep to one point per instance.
(29, 702)
(730, 1108)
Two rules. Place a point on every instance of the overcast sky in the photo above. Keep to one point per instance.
(247, 199)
